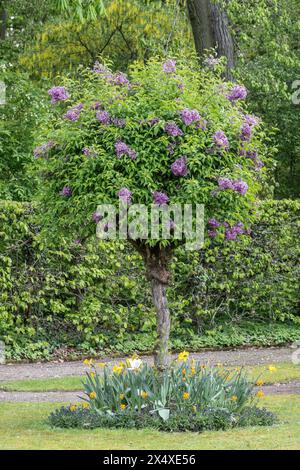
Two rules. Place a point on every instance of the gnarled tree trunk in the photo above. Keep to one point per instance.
(156, 260)
(210, 28)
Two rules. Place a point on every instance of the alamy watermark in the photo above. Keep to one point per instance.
(2, 93)
(181, 222)
(296, 93)
(2, 352)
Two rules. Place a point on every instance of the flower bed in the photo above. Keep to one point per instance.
(187, 396)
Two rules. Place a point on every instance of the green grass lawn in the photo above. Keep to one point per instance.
(23, 426)
(284, 372)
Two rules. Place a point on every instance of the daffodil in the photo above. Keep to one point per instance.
(134, 364)
(233, 398)
(272, 369)
(259, 382)
(183, 356)
(185, 395)
(88, 362)
(117, 369)
(121, 396)
(73, 408)
(85, 405)
(93, 395)
(260, 394)
(93, 375)
(101, 364)
(144, 395)
(122, 406)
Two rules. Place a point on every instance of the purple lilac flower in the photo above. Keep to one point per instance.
(120, 78)
(119, 122)
(251, 120)
(125, 195)
(214, 223)
(159, 198)
(231, 233)
(238, 92)
(189, 116)
(212, 233)
(221, 140)
(73, 114)
(97, 105)
(201, 124)
(42, 150)
(169, 66)
(240, 187)
(153, 121)
(103, 117)
(101, 69)
(97, 217)
(66, 191)
(122, 149)
(58, 93)
(87, 152)
(225, 183)
(246, 132)
(172, 129)
(211, 61)
(179, 167)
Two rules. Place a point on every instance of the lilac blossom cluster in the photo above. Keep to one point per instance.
(189, 116)
(118, 78)
(247, 127)
(235, 185)
(73, 114)
(103, 117)
(123, 149)
(58, 93)
(172, 129)
(159, 198)
(66, 191)
(96, 217)
(231, 232)
(169, 66)
(220, 139)
(125, 195)
(42, 150)
(179, 167)
(211, 61)
(238, 92)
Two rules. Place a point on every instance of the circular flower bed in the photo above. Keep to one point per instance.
(187, 396)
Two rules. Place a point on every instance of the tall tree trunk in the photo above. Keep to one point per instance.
(157, 260)
(210, 28)
(3, 17)
(163, 324)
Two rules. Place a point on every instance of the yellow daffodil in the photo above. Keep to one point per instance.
(259, 382)
(73, 408)
(117, 369)
(122, 406)
(183, 371)
(183, 356)
(193, 370)
(88, 362)
(93, 395)
(101, 364)
(144, 395)
(272, 369)
(260, 394)
(85, 405)
(93, 375)
(121, 396)
(233, 398)
(185, 395)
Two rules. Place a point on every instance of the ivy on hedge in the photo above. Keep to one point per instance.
(91, 296)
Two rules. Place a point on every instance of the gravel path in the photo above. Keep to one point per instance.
(291, 388)
(249, 356)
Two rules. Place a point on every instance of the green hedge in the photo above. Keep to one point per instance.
(93, 298)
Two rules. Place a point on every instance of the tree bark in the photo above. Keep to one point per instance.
(163, 324)
(156, 260)
(210, 28)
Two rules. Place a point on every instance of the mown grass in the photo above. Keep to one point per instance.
(285, 372)
(23, 426)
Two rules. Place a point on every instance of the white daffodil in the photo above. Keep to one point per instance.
(134, 364)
